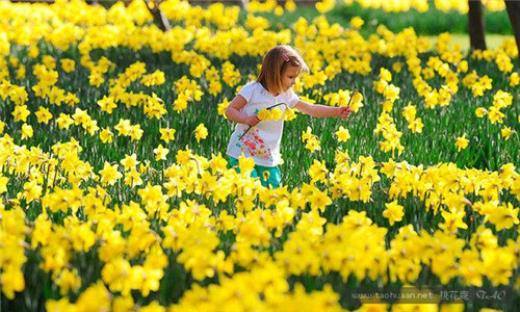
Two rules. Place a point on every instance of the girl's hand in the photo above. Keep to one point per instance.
(252, 120)
(344, 112)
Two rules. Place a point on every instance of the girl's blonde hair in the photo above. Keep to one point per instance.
(275, 62)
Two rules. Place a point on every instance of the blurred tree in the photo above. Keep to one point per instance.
(158, 16)
(476, 25)
(513, 10)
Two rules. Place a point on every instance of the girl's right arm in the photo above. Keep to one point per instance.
(234, 112)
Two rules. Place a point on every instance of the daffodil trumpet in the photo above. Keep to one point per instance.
(268, 108)
(355, 93)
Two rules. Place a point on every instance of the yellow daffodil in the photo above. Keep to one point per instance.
(453, 221)
(393, 212)
(160, 152)
(397, 67)
(409, 112)
(156, 78)
(416, 125)
(357, 22)
(68, 65)
(318, 171)
(167, 134)
(27, 131)
(106, 136)
(109, 174)
(43, 115)
(342, 135)
(278, 11)
(290, 5)
(3, 184)
(20, 113)
(245, 164)
(495, 115)
(13, 280)
(506, 132)
(201, 132)
(136, 132)
(313, 144)
(480, 112)
(129, 162)
(504, 216)
(107, 104)
(264, 114)
(461, 143)
(290, 114)
(222, 106)
(514, 79)
(324, 5)
(32, 191)
(356, 102)
(276, 113)
(385, 75)
(64, 121)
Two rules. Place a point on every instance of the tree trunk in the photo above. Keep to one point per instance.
(158, 17)
(476, 25)
(513, 10)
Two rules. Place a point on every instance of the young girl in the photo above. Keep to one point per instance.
(260, 140)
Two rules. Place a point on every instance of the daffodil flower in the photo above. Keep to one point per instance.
(265, 114)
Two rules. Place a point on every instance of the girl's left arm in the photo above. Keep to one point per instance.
(322, 111)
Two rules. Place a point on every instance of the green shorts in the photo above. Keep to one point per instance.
(269, 176)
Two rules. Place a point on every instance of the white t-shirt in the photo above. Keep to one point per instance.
(261, 142)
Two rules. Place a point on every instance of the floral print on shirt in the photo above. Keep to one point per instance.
(251, 144)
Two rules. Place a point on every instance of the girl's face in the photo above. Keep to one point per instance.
(289, 76)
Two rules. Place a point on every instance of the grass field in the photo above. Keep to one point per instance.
(432, 22)
(493, 41)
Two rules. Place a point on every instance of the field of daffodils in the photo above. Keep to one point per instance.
(116, 195)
